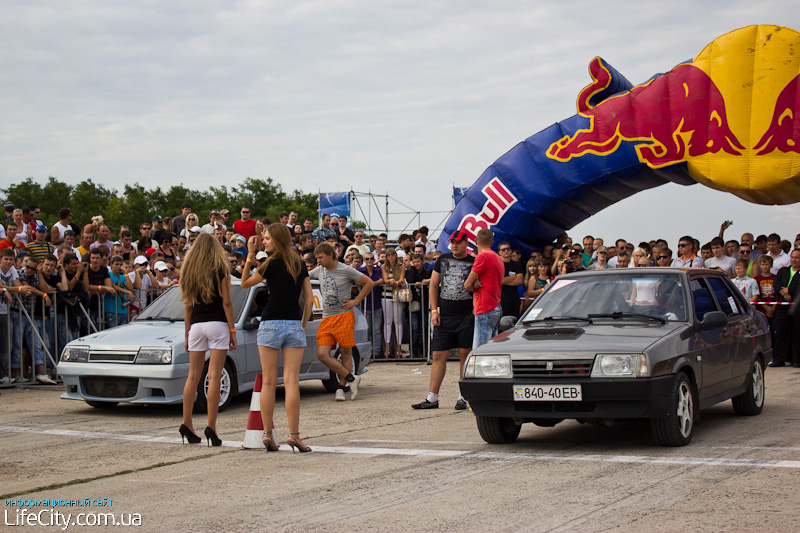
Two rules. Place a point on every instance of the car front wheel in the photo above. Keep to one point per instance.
(676, 429)
(752, 401)
(497, 430)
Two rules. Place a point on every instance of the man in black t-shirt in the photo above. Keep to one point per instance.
(512, 278)
(451, 315)
(419, 279)
(96, 281)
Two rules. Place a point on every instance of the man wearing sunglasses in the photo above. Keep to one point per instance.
(687, 257)
(664, 257)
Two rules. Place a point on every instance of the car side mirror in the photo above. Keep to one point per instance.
(252, 323)
(713, 320)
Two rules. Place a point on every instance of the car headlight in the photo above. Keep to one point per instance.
(620, 365)
(75, 354)
(154, 356)
(488, 366)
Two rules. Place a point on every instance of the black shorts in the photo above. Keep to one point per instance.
(455, 331)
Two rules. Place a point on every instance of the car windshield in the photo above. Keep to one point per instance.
(169, 307)
(620, 296)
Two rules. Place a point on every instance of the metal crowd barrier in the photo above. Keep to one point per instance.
(52, 339)
(425, 325)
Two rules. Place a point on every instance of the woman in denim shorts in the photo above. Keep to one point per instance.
(282, 326)
(208, 317)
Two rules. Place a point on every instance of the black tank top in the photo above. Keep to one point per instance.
(210, 312)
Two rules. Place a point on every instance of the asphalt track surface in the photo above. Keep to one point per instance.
(378, 465)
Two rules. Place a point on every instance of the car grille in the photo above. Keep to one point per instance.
(103, 387)
(537, 368)
(96, 356)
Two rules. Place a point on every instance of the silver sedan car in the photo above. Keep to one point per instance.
(145, 362)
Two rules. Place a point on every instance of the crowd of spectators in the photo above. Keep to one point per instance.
(115, 277)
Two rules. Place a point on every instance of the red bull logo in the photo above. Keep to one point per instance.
(671, 118)
(783, 132)
(732, 114)
(498, 200)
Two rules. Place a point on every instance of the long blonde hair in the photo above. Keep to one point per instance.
(201, 270)
(282, 240)
(397, 270)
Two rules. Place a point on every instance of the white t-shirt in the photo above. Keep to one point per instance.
(61, 229)
(726, 263)
(140, 295)
(779, 262)
(8, 280)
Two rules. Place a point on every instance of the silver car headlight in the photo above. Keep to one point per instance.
(154, 356)
(620, 365)
(75, 354)
(488, 366)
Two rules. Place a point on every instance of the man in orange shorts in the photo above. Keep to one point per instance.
(338, 320)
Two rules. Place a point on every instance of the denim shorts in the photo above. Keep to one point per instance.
(281, 334)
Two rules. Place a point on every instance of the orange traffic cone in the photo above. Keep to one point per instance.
(255, 428)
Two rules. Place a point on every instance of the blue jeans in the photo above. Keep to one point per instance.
(64, 336)
(23, 326)
(374, 321)
(116, 319)
(486, 326)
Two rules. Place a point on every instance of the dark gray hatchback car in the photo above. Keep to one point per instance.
(634, 343)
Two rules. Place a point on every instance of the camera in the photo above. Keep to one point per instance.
(568, 261)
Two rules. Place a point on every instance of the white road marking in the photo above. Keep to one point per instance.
(413, 452)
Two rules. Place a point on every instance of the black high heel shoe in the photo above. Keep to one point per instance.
(268, 444)
(187, 434)
(293, 440)
(211, 437)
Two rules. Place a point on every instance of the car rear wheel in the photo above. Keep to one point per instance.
(497, 430)
(331, 383)
(752, 401)
(102, 405)
(676, 429)
(225, 389)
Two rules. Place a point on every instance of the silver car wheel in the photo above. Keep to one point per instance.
(685, 409)
(224, 386)
(758, 385)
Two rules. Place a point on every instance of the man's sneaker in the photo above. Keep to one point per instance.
(354, 387)
(44, 378)
(461, 404)
(5, 380)
(425, 404)
(340, 395)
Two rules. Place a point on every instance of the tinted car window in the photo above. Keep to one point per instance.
(724, 296)
(703, 303)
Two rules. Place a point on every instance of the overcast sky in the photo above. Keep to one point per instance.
(400, 97)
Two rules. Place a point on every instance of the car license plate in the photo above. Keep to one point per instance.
(547, 393)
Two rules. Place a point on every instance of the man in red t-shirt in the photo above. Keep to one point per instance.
(246, 227)
(486, 282)
(11, 240)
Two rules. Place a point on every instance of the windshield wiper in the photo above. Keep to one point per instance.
(564, 317)
(159, 318)
(619, 314)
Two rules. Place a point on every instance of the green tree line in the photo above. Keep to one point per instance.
(136, 204)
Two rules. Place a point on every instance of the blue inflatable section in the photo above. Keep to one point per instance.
(528, 199)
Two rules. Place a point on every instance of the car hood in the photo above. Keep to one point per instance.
(572, 340)
(135, 335)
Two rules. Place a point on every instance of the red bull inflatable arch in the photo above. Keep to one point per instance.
(729, 119)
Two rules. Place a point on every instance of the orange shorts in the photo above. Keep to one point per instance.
(337, 329)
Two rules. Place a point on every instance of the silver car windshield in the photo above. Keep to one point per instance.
(660, 296)
(169, 307)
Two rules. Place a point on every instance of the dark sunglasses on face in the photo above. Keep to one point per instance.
(505, 249)
(663, 257)
(745, 251)
(682, 245)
